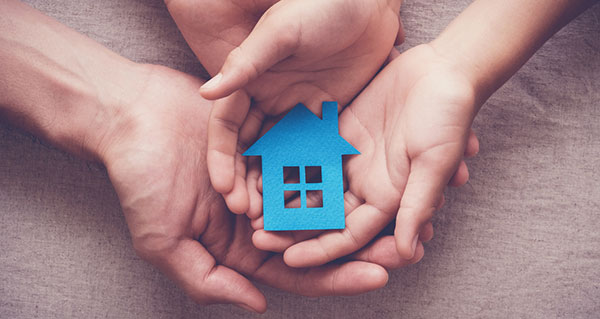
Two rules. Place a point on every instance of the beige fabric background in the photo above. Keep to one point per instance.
(522, 239)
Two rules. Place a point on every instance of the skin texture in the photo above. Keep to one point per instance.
(178, 223)
(412, 141)
(148, 124)
(271, 55)
(412, 123)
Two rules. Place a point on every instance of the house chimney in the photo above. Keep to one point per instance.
(330, 115)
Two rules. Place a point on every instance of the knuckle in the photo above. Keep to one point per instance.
(236, 56)
(288, 41)
(227, 124)
(240, 60)
(353, 239)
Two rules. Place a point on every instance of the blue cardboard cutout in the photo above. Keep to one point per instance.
(302, 142)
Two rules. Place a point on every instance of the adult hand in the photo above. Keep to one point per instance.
(147, 124)
(270, 55)
(155, 156)
(412, 127)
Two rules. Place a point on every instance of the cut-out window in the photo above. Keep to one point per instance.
(291, 199)
(301, 189)
(314, 199)
(291, 174)
(313, 174)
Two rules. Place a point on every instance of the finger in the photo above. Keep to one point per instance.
(441, 202)
(393, 54)
(426, 182)
(272, 241)
(250, 128)
(267, 125)
(314, 199)
(280, 241)
(426, 233)
(237, 199)
(195, 271)
(273, 39)
(226, 118)
(400, 36)
(292, 199)
(255, 197)
(384, 253)
(351, 202)
(258, 224)
(260, 6)
(259, 186)
(362, 225)
(472, 147)
(291, 178)
(461, 176)
(347, 279)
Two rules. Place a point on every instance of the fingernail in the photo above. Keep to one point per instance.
(212, 83)
(245, 307)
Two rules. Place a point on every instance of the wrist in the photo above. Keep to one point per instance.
(109, 112)
(490, 40)
(446, 79)
(75, 112)
(465, 66)
(453, 48)
(59, 85)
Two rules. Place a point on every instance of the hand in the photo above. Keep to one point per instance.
(415, 145)
(412, 127)
(155, 157)
(298, 51)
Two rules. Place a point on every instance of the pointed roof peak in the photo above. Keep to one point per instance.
(302, 130)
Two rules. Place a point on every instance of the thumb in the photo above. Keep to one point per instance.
(429, 174)
(272, 40)
(224, 124)
(194, 269)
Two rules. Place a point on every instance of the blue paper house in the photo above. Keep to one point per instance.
(310, 149)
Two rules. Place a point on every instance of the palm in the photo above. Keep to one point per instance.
(413, 108)
(181, 225)
(411, 126)
(418, 134)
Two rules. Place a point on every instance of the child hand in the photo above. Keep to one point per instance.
(304, 51)
(413, 140)
(412, 127)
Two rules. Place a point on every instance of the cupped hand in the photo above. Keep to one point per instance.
(412, 127)
(154, 152)
(270, 55)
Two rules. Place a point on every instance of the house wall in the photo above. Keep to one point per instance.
(277, 217)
